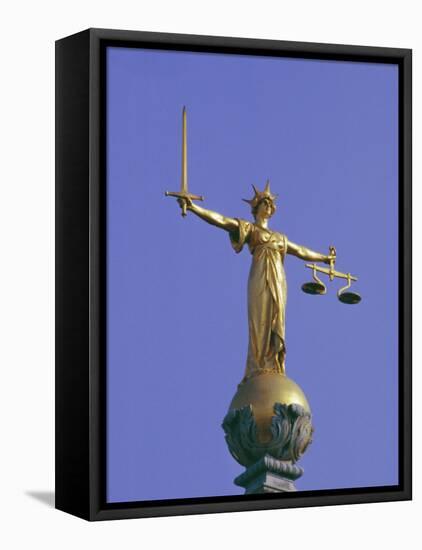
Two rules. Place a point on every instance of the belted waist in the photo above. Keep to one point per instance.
(266, 246)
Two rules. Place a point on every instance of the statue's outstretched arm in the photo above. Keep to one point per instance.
(306, 254)
(214, 218)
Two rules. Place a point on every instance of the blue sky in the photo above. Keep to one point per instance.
(325, 133)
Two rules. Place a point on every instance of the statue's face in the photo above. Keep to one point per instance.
(265, 209)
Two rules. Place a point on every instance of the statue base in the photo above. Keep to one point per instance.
(269, 475)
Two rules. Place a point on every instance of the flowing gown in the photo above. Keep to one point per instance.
(267, 293)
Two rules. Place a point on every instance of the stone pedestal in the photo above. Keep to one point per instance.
(269, 475)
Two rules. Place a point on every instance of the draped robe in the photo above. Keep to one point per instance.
(267, 293)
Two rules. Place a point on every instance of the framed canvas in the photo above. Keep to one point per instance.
(186, 382)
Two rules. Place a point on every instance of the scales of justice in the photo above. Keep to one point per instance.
(268, 426)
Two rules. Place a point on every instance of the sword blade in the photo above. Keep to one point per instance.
(184, 182)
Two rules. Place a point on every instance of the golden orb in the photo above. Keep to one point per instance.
(262, 392)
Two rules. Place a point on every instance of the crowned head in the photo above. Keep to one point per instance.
(263, 202)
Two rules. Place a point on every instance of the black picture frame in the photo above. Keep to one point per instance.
(80, 273)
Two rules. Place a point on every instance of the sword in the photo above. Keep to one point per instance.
(184, 193)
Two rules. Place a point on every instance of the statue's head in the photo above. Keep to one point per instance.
(263, 203)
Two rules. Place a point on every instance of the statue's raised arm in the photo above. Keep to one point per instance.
(211, 217)
(307, 254)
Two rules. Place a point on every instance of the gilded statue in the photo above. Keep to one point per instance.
(267, 288)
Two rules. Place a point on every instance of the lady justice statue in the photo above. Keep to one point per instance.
(268, 426)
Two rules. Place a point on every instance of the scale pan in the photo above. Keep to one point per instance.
(314, 288)
(349, 298)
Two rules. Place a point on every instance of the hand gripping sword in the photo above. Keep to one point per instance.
(184, 193)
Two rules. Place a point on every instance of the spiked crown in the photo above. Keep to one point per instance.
(260, 195)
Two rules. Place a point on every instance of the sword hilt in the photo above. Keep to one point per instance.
(182, 195)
